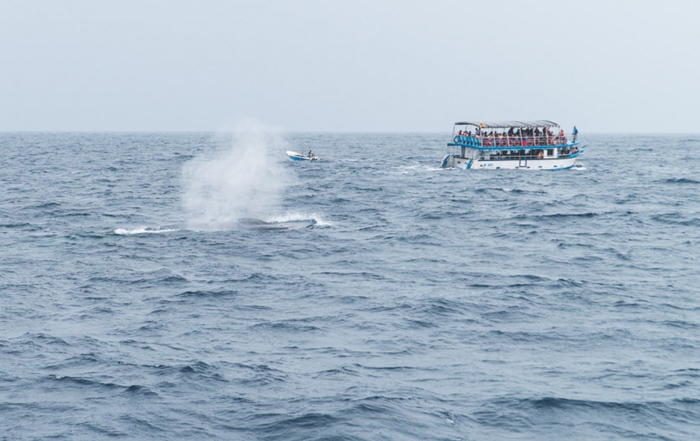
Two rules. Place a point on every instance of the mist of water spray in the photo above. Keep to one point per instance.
(244, 178)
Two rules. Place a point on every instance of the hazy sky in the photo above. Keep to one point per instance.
(606, 66)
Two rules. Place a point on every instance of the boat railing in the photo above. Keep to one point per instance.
(534, 153)
(513, 141)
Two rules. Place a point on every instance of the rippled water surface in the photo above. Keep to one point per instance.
(366, 296)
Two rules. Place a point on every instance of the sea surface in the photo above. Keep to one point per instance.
(202, 286)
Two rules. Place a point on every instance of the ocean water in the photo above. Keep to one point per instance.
(366, 296)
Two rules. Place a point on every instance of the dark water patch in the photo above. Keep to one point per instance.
(15, 224)
(420, 239)
(314, 425)
(689, 372)
(143, 425)
(259, 368)
(369, 228)
(654, 415)
(99, 310)
(419, 324)
(85, 382)
(133, 278)
(680, 384)
(363, 275)
(74, 213)
(43, 206)
(511, 281)
(527, 337)
(682, 324)
(259, 373)
(364, 189)
(41, 339)
(441, 307)
(284, 327)
(77, 361)
(676, 219)
(680, 181)
(505, 315)
(351, 299)
(208, 294)
(687, 401)
(252, 277)
(558, 216)
(505, 420)
(432, 216)
(391, 307)
(86, 235)
(203, 370)
(97, 430)
(140, 391)
(570, 283)
(338, 372)
(393, 368)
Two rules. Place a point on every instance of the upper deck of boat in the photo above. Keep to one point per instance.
(513, 135)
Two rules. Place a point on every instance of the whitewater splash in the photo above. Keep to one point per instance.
(310, 218)
(144, 230)
(244, 179)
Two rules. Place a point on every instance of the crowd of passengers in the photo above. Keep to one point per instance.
(514, 138)
(532, 153)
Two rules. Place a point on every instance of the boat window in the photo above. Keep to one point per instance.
(550, 152)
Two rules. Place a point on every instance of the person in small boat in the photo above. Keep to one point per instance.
(311, 154)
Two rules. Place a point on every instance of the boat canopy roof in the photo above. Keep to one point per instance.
(508, 124)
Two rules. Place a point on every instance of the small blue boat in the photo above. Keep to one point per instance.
(294, 156)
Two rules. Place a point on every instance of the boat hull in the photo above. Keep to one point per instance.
(451, 161)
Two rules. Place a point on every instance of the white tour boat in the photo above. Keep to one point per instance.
(532, 145)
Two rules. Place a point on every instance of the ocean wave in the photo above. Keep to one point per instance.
(144, 230)
(208, 294)
(133, 389)
(680, 181)
(285, 326)
(676, 219)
